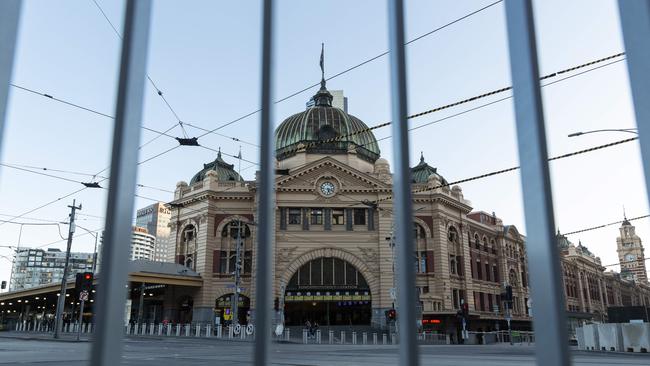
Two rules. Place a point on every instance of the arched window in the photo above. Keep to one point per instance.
(186, 251)
(485, 244)
(225, 258)
(418, 231)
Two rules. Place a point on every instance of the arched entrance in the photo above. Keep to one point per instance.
(329, 291)
(223, 309)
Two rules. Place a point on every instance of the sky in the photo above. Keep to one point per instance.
(204, 56)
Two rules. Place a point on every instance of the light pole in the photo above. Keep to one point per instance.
(628, 130)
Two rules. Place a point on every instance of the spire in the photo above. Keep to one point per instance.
(421, 157)
(625, 221)
(323, 98)
(322, 66)
(218, 153)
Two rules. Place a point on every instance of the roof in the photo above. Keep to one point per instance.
(421, 172)
(224, 171)
(308, 129)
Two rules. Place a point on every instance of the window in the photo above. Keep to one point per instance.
(316, 216)
(294, 216)
(337, 217)
(359, 216)
(223, 262)
(479, 274)
(477, 242)
(495, 273)
(487, 271)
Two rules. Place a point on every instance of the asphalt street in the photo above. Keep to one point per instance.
(188, 351)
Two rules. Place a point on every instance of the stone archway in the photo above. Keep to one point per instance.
(328, 289)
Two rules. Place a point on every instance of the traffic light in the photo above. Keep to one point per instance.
(508, 293)
(465, 309)
(276, 304)
(3, 285)
(391, 314)
(84, 281)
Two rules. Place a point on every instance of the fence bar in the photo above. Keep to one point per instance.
(635, 22)
(107, 347)
(546, 286)
(265, 214)
(9, 15)
(408, 351)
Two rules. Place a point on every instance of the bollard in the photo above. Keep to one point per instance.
(178, 330)
(143, 329)
(374, 338)
(208, 330)
(331, 339)
(152, 328)
(160, 329)
(393, 338)
(230, 332)
(304, 336)
(354, 337)
(318, 336)
(288, 334)
(364, 338)
(219, 329)
(169, 329)
(83, 327)
(197, 332)
(342, 337)
(187, 330)
(65, 328)
(242, 333)
(384, 338)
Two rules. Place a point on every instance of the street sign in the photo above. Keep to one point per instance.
(83, 296)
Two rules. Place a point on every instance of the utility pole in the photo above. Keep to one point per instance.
(58, 322)
(238, 265)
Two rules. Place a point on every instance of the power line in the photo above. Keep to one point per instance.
(604, 225)
(465, 101)
(357, 65)
(502, 171)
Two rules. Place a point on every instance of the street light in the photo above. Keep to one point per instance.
(628, 130)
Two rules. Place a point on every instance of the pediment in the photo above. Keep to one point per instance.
(348, 178)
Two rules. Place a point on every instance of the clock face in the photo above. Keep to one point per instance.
(630, 257)
(327, 188)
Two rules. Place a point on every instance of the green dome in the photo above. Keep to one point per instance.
(224, 171)
(421, 172)
(323, 122)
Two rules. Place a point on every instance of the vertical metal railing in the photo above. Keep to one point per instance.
(265, 191)
(403, 213)
(9, 15)
(107, 346)
(545, 274)
(635, 23)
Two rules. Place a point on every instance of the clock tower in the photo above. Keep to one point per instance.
(630, 253)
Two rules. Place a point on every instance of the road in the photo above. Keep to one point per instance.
(187, 351)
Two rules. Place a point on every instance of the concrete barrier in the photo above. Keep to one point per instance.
(208, 330)
(197, 331)
(591, 337)
(152, 329)
(384, 338)
(393, 338)
(178, 330)
(342, 337)
(636, 337)
(318, 335)
(169, 329)
(354, 337)
(580, 337)
(364, 338)
(304, 336)
(610, 337)
(374, 338)
(331, 337)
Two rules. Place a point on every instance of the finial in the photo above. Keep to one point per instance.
(322, 66)
(624, 216)
(421, 156)
(219, 153)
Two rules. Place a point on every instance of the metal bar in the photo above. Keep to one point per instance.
(545, 271)
(635, 22)
(9, 15)
(107, 347)
(403, 216)
(266, 207)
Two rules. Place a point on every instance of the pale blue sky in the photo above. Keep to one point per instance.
(204, 56)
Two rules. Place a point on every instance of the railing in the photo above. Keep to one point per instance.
(550, 322)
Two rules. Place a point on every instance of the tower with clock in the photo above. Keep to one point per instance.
(631, 253)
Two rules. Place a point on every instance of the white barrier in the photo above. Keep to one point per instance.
(342, 337)
(304, 336)
(152, 328)
(384, 338)
(331, 337)
(187, 330)
(169, 329)
(610, 337)
(374, 338)
(197, 331)
(636, 337)
(354, 337)
(591, 337)
(393, 338)
(364, 338)
(160, 329)
(208, 330)
(178, 330)
(219, 330)
(318, 335)
(287, 333)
